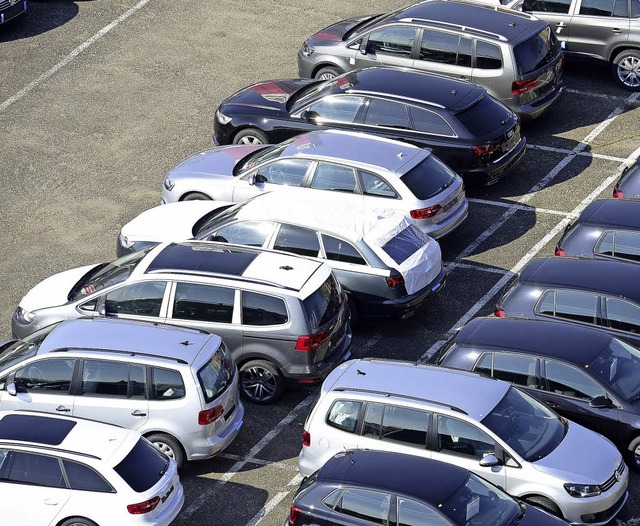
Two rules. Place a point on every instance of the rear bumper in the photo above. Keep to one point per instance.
(491, 174)
(212, 445)
(528, 112)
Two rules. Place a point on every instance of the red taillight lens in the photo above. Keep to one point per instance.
(499, 312)
(294, 514)
(522, 86)
(143, 507)
(559, 251)
(210, 415)
(395, 281)
(485, 149)
(425, 213)
(306, 438)
(311, 342)
(618, 194)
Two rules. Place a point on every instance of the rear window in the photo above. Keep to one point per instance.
(484, 117)
(323, 305)
(143, 467)
(405, 244)
(428, 178)
(217, 374)
(536, 52)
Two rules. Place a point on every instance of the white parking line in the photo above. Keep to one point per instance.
(564, 151)
(261, 462)
(273, 502)
(72, 55)
(526, 208)
(479, 267)
(591, 94)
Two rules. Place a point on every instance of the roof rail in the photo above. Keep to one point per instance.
(127, 353)
(451, 25)
(36, 445)
(407, 397)
(205, 273)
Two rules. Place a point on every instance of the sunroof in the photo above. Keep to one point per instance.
(37, 429)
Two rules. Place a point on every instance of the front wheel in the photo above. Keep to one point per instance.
(544, 503)
(196, 196)
(626, 69)
(250, 136)
(633, 454)
(261, 381)
(327, 73)
(169, 446)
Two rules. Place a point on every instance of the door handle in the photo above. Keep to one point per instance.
(462, 77)
(616, 30)
(63, 409)
(551, 404)
(138, 413)
(51, 502)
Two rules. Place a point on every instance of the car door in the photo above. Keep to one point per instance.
(445, 53)
(622, 318)
(337, 178)
(360, 507)
(113, 392)
(272, 176)
(387, 46)
(557, 13)
(341, 111)
(141, 300)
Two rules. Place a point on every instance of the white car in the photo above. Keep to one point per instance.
(63, 471)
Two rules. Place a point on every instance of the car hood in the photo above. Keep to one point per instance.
(583, 457)
(271, 95)
(213, 162)
(335, 32)
(53, 290)
(173, 221)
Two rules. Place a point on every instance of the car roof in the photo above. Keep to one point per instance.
(235, 261)
(418, 86)
(598, 275)
(129, 336)
(430, 383)
(615, 213)
(359, 148)
(571, 342)
(421, 478)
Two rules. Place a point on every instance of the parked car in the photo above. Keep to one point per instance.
(470, 131)
(378, 172)
(284, 318)
(608, 31)
(516, 58)
(359, 487)
(10, 9)
(628, 186)
(606, 228)
(592, 292)
(61, 471)
(176, 386)
(481, 424)
(582, 373)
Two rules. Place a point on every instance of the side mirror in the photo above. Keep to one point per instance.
(310, 116)
(258, 178)
(102, 310)
(600, 402)
(364, 48)
(16, 387)
(489, 461)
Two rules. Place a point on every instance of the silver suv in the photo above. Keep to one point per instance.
(177, 387)
(283, 317)
(514, 56)
(478, 423)
(607, 30)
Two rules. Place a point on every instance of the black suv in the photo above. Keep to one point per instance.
(472, 132)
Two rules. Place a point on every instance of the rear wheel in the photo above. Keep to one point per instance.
(544, 503)
(626, 69)
(196, 196)
(261, 381)
(169, 446)
(327, 73)
(78, 521)
(250, 136)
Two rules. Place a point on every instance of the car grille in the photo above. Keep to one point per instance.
(617, 475)
(6, 3)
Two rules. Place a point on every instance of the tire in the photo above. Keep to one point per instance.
(78, 521)
(196, 196)
(633, 454)
(327, 73)
(626, 69)
(169, 446)
(355, 312)
(261, 382)
(250, 136)
(544, 503)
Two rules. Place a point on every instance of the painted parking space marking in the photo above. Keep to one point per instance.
(583, 153)
(519, 206)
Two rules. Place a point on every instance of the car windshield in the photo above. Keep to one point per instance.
(23, 349)
(259, 156)
(619, 366)
(106, 275)
(323, 304)
(536, 51)
(527, 426)
(312, 92)
(484, 117)
(478, 502)
(205, 227)
(217, 374)
(364, 26)
(143, 466)
(428, 178)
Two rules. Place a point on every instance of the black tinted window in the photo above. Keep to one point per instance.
(515, 368)
(288, 172)
(371, 506)
(488, 56)
(387, 113)
(217, 374)
(429, 122)
(568, 381)
(442, 47)
(374, 185)
(536, 52)
(405, 243)
(113, 379)
(396, 40)
(40, 470)
(166, 384)
(428, 178)
(302, 241)
(260, 309)
(405, 426)
(635, 8)
(598, 7)
(143, 467)
(323, 305)
(549, 6)
(334, 177)
(571, 305)
(138, 299)
(84, 478)
(344, 415)
(339, 250)
(47, 376)
(195, 302)
(338, 108)
(411, 513)
(484, 117)
(251, 233)
(622, 315)
(461, 438)
(620, 244)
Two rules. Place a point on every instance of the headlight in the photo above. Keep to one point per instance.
(307, 50)
(124, 242)
(222, 118)
(24, 316)
(168, 184)
(582, 490)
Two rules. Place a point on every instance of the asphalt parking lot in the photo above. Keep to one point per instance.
(99, 99)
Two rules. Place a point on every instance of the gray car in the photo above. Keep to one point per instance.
(514, 56)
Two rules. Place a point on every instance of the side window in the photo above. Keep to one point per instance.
(387, 113)
(568, 381)
(597, 7)
(571, 305)
(396, 40)
(461, 438)
(302, 241)
(195, 302)
(441, 47)
(260, 309)
(344, 415)
(488, 56)
(635, 13)
(622, 315)
(621, 8)
(338, 108)
(549, 6)
(411, 513)
(405, 426)
(430, 122)
(251, 233)
(137, 299)
(39, 470)
(47, 376)
(515, 368)
(334, 177)
(372, 506)
(89, 306)
(113, 379)
(620, 244)
(287, 172)
(166, 384)
(375, 185)
(339, 250)
(485, 364)
(84, 478)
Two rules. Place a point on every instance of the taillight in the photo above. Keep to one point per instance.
(617, 193)
(559, 251)
(499, 312)
(311, 342)
(485, 149)
(522, 86)
(425, 213)
(395, 281)
(306, 438)
(210, 415)
(143, 507)
(294, 514)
